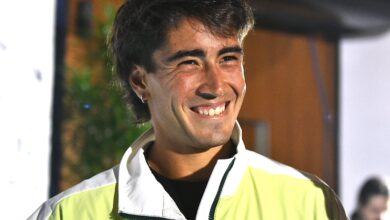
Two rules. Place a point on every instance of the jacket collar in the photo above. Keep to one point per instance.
(139, 193)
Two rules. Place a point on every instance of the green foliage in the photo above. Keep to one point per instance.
(98, 126)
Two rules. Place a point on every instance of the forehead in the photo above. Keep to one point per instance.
(191, 32)
(378, 201)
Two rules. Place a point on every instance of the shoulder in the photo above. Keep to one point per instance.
(292, 186)
(259, 163)
(90, 193)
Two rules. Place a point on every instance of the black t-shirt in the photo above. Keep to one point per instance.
(186, 194)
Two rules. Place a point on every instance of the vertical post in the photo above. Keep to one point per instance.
(56, 153)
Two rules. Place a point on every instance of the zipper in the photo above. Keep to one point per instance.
(216, 199)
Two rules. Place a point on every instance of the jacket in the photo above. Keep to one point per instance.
(246, 186)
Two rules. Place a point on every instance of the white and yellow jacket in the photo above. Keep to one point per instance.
(246, 186)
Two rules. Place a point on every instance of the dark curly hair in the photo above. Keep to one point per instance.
(141, 27)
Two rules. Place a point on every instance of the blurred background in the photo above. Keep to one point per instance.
(318, 78)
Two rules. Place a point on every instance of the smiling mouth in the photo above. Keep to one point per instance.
(211, 111)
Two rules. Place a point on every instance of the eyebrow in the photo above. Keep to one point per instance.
(187, 53)
(201, 54)
(235, 49)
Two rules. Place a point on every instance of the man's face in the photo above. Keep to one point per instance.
(197, 88)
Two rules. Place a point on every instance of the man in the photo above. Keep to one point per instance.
(181, 63)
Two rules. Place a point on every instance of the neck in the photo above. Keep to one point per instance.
(192, 167)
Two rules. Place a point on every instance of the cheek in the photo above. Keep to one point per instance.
(237, 81)
(181, 87)
(185, 83)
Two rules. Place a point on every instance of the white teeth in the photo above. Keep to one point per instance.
(213, 111)
(218, 110)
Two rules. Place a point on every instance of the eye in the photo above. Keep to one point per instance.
(188, 62)
(229, 58)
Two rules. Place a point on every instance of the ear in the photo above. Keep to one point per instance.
(137, 80)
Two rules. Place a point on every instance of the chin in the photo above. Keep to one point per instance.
(214, 140)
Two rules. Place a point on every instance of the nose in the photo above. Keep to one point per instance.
(213, 85)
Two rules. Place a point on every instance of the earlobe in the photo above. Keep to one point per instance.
(137, 81)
